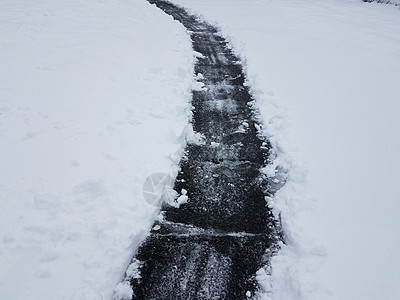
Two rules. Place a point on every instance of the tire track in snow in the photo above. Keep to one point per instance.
(212, 246)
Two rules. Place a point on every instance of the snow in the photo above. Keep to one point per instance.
(123, 291)
(198, 86)
(182, 199)
(198, 54)
(326, 78)
(93, 100)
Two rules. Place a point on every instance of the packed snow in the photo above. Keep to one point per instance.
(94, 99)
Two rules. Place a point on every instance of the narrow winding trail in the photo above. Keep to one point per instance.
(212, 246)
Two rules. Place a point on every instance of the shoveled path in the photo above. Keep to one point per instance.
(212, 246)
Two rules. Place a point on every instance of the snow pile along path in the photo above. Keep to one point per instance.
(93, 99)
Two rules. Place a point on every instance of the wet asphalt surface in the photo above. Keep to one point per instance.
(212, 246)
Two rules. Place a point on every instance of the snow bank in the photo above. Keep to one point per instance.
(93, 99)
(325, 75)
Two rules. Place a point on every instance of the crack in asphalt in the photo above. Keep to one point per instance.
(212, 246)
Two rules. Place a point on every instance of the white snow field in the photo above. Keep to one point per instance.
(94, 99)
(326, 75)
